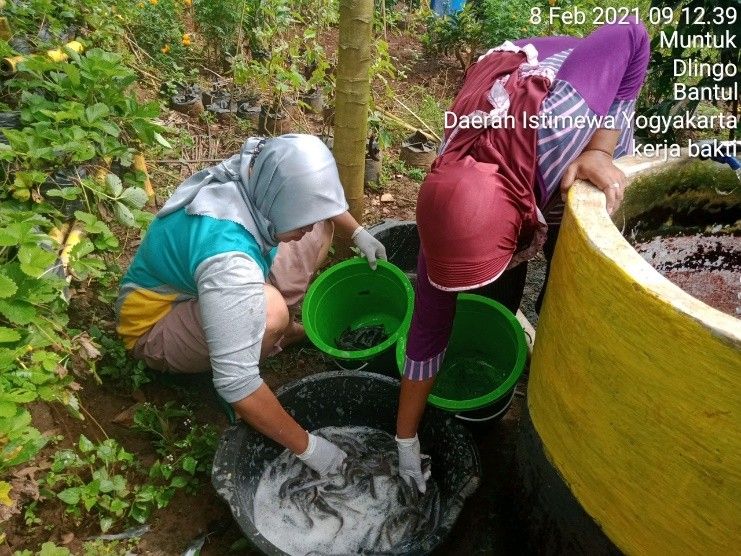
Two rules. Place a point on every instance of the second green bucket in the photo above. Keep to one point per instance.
(485, 358)
(351, 294)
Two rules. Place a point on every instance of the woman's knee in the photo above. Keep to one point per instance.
(276, 312)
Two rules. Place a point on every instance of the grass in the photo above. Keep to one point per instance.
(695, 187)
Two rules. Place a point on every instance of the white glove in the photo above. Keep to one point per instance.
(410, 463)
(370, 247)
(322, 456)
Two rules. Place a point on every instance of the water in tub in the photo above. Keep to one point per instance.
(367, 508)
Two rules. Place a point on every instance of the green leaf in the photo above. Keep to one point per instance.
(92, 224)
(17, 312)
(85, 445)
(18, 395)
(114, 184)
(9, 237)
(7, 409)
(51, 549)
(140, 513)
(190, 464)
(7, 286)
(8, 335)
(126, 159)
(70, 496)
(107, 451)
(106, 485)
(96, 111)
(73, 74)
(89, 494)
(119, 484)
(123, 214)
(134, 196)
(24, 180)
(66, 193)
(80, 151)
(106, 523)
(108, 127)
(161, 140)
(118, 506)
(34, 260)
(178, 481)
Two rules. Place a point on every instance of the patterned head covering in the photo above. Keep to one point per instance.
(272, 186)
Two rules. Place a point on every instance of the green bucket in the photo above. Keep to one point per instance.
(485, 358)
(351, 294)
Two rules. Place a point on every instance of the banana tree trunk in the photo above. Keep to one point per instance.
(351, 102)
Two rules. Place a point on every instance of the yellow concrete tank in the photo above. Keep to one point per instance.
(634, 392)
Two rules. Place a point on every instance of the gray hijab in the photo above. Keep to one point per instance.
(294, 183)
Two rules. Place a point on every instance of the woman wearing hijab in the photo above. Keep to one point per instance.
(491, 199)
(207, 287)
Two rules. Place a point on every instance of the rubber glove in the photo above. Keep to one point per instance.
(410, 463)
(322, 456)
(370, 247)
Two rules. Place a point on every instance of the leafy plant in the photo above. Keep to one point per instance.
(79, 116)
(477, 27)
(278, 78)
(89, 548)
(106, 481)
(77, 110)
(219, 22)
(182, 444)
(94, 479)
(157, 27)
(45, 23)
(378, 129)
(117, 365)
(657, 96)
(19, 441)
(315, 63)
(398, 167)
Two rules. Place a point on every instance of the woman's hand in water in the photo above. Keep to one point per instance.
(322, 456)
(597, 167)
(410, 463)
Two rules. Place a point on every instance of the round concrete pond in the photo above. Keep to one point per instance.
(631, 437)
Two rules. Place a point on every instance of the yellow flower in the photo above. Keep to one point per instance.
(188, 2)
(166, 49)
(153, 2)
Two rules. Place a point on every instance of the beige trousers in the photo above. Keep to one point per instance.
(177, 342)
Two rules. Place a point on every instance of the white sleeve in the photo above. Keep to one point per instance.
(231, 297)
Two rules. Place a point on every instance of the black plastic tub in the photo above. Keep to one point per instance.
(401, 240)
(346, 398)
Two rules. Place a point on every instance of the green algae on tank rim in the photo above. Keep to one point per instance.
(352, 294)
(506, 334)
